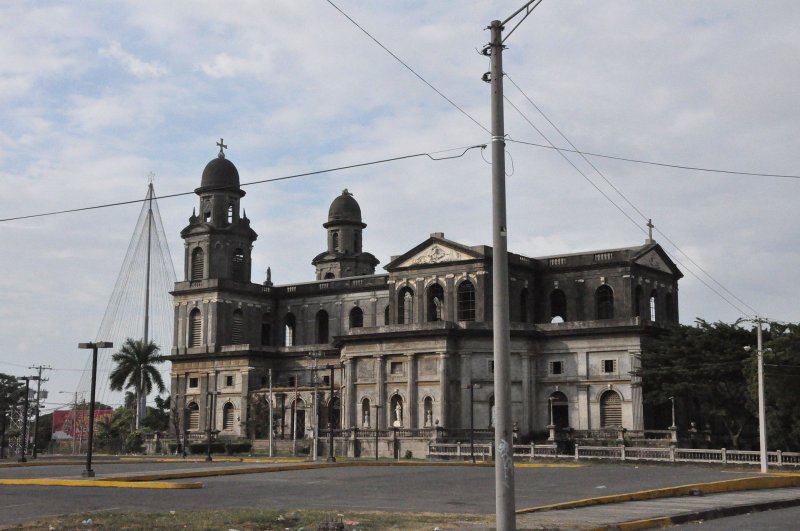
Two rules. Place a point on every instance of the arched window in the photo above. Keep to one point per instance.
(653, 302)
(558, 306)
(559, 410)
(335, 238)
(466, 301)
(610, 410)
(523, 306)
(237, 328)
(669, 307)
(356, 318)
(427, 406)
(289, 325)
(230, 214)
(227, 416)
(194, 416)
(237, 269)
(322, 326)
(198, 264)
(435, 302)
(405, 306)
(637, 301)
(365, 413)
(195, 328)
(357, 241)
(329, 275)
(386, 315)
(266, 329)
(604, 301)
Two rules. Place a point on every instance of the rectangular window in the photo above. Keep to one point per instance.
(609, 366)
(490, 366)
(396, 367)
(292, 381)
(229, 381)
(556, 367)
(326, 381)
(193, 382)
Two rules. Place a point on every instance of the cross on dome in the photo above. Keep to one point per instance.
(222, 146)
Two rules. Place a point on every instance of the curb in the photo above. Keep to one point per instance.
(727, 485)
(101, 483)
(708, 514)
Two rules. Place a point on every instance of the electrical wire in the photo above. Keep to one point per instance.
(387, 50)
(628, 201)
(430, 155)
(663, 164)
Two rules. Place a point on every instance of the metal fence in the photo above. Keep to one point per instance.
(620, 453)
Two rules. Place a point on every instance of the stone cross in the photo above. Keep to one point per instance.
(650, 230)
(221, 147)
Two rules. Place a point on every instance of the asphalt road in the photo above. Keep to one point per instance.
(775, 520)
(461, 489)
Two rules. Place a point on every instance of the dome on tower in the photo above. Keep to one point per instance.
(219, 174)
(344, 209)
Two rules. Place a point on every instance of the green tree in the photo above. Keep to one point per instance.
(704, 367)
(11, 394)
(157, 418)
(136, 369)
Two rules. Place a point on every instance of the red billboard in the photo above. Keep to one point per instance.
(72, 423)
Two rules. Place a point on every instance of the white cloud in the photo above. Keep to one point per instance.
(134, 65)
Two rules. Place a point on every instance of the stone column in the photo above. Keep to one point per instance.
(525, 366)
(380, 391)
(637, 409)
(584, 420)
(411, 393)
(419, 301)
(245, 374)
(534, 397)
(465, 366)
(350, 376)
(443, 380)
(202, 403)
(211, 338)
(450, 297)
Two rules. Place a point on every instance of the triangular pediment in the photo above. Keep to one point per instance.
(434, 251)
(654, 260)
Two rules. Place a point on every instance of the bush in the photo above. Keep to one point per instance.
(217, 447)
(408, 455)
(238, 447)
(134, 443)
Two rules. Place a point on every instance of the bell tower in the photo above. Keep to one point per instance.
(344, 257)
(218, 241)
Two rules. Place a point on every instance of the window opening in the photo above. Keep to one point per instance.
(435, 302)
(653, 297)
(289, 330)
(227, 417)
(356, 317)
(198, 264)
(466, 301)
(266, 330)
(558, 306)
(610, 410)
(405, 314)
(556, 367)
(609, 366)
(237, 328)
(604, 299)
(322, 326)
(195, 328)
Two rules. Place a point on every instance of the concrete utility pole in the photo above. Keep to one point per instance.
(504, 449)
(40, 368)
(23, 458)
(762, 418)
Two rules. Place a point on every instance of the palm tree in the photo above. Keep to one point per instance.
(136, 369)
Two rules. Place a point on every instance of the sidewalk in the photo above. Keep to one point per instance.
(661, 512)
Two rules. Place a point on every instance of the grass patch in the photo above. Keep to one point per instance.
(251, 519)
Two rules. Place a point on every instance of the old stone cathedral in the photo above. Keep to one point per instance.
(411, 347)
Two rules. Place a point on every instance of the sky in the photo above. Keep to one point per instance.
(95, 96)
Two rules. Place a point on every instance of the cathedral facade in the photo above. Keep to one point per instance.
(411, 347)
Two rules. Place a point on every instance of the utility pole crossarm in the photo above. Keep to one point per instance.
(528, 8)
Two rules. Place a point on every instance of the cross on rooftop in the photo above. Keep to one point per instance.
(650, 230)
(221, 147)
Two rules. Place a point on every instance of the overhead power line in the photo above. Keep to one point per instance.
(625, 198)
(652, 163)
(463, 150)
(387, 50)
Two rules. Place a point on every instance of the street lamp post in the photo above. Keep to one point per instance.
(673, 426)
(89, 473)
(23, 458)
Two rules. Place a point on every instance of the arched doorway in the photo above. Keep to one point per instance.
(297, 418)
(610, 410)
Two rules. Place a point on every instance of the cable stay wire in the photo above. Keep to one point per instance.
(624, 197)
(399, 60)
(621, 210)
(430, 154)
